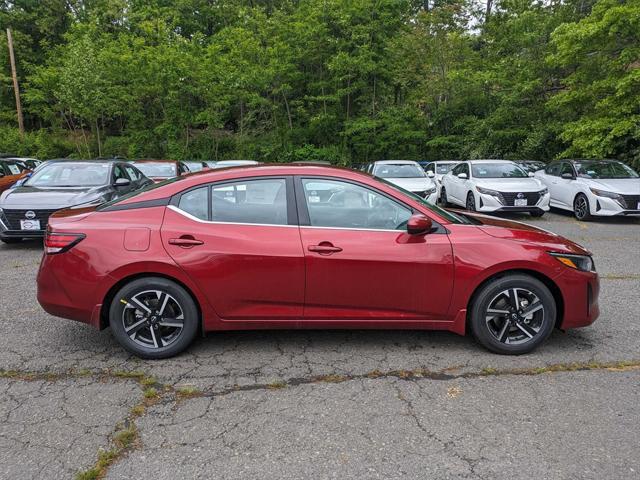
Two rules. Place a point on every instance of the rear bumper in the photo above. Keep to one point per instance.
(55, 300)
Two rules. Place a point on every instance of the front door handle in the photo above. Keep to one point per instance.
(324, 248)
(186, 241)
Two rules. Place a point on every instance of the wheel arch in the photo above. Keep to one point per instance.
(547, 281)
(106, 303)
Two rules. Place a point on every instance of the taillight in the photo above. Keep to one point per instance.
(61, 242)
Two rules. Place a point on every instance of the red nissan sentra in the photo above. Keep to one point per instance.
(304, 246)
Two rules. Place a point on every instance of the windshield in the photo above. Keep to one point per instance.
(195, 166)
(135, 193)
(497, 170)
(444, 168)
(70, 174)
(604, 170)
(452, 217)
(398, 170)
(13, 167)
(157, 170)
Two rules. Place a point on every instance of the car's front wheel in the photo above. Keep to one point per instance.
(471, 202)
(153, 318)
(512, 314)
(443, 197)
(581, 207)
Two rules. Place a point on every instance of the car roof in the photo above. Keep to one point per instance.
(196, 179)
(396, 162)
(153, 160)
(490, 161)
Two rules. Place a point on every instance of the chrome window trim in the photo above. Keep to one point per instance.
(196, 219)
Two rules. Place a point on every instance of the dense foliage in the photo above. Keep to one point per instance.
(342, 80)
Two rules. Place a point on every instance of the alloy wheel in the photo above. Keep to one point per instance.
(581, 207)
(471, 202)
(515, 316)
(152, 318)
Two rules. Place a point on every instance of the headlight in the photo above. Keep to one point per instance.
(583, 263)
(602, 193)
(493, 193)
(544, 191)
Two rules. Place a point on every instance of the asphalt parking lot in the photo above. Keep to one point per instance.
(326, 404)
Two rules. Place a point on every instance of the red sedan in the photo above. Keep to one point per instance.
(303, 246)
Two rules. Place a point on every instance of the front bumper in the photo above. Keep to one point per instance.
(580, 291)
(489, 203)
(608, 207)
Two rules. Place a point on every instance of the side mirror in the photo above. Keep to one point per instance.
(567, 176)
(122, 182)
(531, 174)
(418, 224)
(430, 174)
(463, 176)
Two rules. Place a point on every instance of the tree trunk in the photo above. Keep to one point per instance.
(286, 103)
(487, 13)
(98, 138)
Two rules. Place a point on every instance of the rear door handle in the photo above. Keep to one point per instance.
(185, 242)
(325, 248)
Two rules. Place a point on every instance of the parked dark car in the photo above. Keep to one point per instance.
(25, 209)
(159, 170)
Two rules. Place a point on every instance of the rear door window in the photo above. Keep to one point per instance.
(253, 201)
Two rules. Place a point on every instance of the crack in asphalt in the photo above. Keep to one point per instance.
(153, 392)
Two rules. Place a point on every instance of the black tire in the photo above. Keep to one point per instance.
(537, 214)
(504, 333)
(124, 309)
(581, 208)
(10, 241)
(443, 197)
(471, 202)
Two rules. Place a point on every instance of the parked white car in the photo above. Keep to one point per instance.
(406, 174)
(439, 168)
(592, 187)
(494, 186)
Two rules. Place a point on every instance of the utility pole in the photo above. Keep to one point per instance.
(16, 89)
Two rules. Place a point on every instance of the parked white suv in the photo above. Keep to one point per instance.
(406, 174)
(494, 186)
(592, 187)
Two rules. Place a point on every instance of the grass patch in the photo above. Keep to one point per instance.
(105, 460)
(277, 385)
(148, 381)
(150, 393)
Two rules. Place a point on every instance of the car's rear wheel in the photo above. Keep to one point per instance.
(513, 314)
(471, 202)
(154, 318)
(581, 207)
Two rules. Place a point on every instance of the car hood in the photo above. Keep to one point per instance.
(418, 184)
(527, 184)
(625, 186)
(50, 198)
(521, 232)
